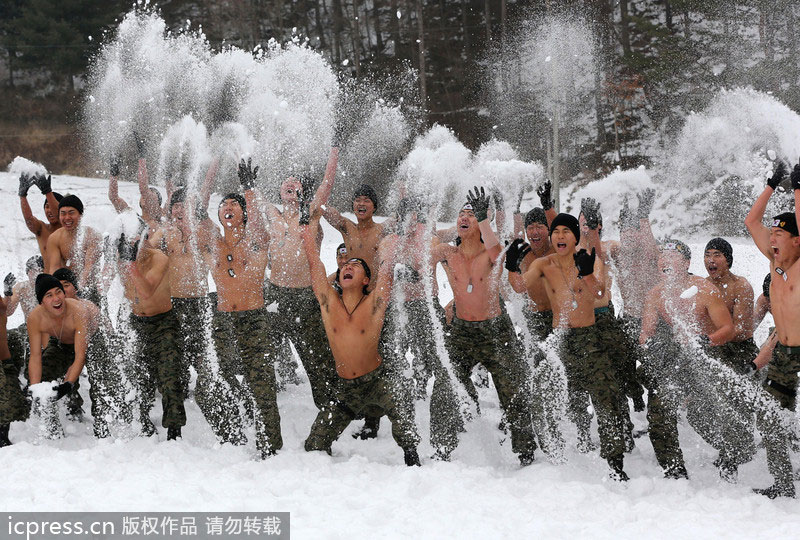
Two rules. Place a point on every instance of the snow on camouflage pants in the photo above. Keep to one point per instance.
(299, 320)
(591, 376)
(415, 336)
(494, 344)
(245, 346)
(13, 405)
(56, 359)
(612, 339)
(214, 398)
(372, 395)
(157, 366)
(673, 376)
(781, 383)
(18, 347)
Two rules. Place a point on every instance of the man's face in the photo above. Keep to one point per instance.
(54, 302)
(289, 189)
(466, 222)
(50, 213)
(783, 244)
(231, 214)
(538, 235)
(716, 263)
(672, 263)
(341, 257)
(69, 289)
(363, 207)
(69, 217)
(352, 275)
(563, 240)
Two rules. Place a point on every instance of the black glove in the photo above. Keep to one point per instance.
(584, 262)
(126, 250)
(304, 203)
(140, 149)
(591, 212)
(751, 369)
(63, 389)
(247, 174)
(544, 195)
(25, 183)
(780, 172)
(479, 202)
(646, 199)
(8, 284)
(795, 177)
(515, 254)
(113, 167)
(43, 183)
(627, 220)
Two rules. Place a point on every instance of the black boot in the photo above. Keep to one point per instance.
(4, 441)
(411, 457)
(173, 433)
(616, 469)
(728, 471)
(526, 458)
(677, 472)
(370, 428)
(638, 403)
(775, 491)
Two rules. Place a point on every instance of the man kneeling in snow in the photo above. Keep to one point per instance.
(353, 322)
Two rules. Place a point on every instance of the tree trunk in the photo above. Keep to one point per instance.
(487, 15)
(624, 34)
(466, 32)
(394, 28)
(355, 35)
(337, 30)
(320, 28)
(422, 77)
(503, 22)
(378, 35)
(686, 22)
(11, 54)
(668, 15)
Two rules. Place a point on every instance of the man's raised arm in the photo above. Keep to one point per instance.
(480, 206)
(754, 218)
(53, 259)
(319, 280)
(113, 186)
(649, 316)
(34, 224)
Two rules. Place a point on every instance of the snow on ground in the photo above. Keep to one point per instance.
(364, 490)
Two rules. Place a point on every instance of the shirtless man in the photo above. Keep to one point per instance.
(481, 332)
(685, 317)
(73, 245)
(353, 323)
(13, 406)
(154, 327)
(150, 200)
(781, 245)
(70, 325)
(296, 311)
(245, 345)
(38, 227)
(572, 287)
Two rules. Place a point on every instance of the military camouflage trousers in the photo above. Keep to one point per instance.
(245, 346)
(494, 344)
(371, 395)
(157, 365)
(13, 405)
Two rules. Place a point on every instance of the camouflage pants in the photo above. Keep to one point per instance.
(673, 376)
(245, 346)
(13, 405)
(299, 320)
(782, 382)
(18, 347)
(214, 397)
(158, 366)
(416, 336)
(612, 339)
(494, 344)
(591, 375)
(56, 359)
(369, 395)
(285, 364)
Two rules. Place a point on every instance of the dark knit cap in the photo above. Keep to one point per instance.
(723, 247)
(178, 196)
(365, 190)
(65, 274)
(239, 199)
(72, 201)
(566, 220)
(786, 221)
(44, 283)
(535, 215)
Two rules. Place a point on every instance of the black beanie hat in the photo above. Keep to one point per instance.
(365, 190)
(72, 201)
(239, 199)
(566, 220)
(178, 196)
(722, 245)
(786, 221)
(536, 215)
(57, 195)
(44, 283)
(766, 284)
(65, 274)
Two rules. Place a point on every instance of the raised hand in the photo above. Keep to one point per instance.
(114, 164)
(479, 202)
(584, 262)
(626, 218)
(140, 148)
(8, 284)
(247, 174)
(25, 183)
(591, 212)
(545, 197)
(778, 174)
(515, 254)
(43, 183)
(646, 199)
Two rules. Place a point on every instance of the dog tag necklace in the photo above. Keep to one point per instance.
(571, 291)
(469, 286)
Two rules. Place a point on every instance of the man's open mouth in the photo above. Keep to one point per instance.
(561, 245)
(361, 209)
(228, 216)
(667, 270)
(775, 250)
(347, 275)
(57, 306)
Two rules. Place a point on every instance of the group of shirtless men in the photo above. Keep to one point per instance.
(691, 337)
